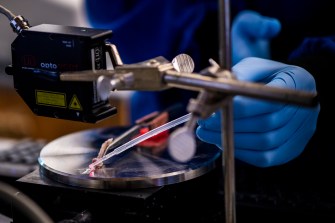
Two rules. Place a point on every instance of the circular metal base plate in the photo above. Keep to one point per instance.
(66, 158)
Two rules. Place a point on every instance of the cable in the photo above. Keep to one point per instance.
(6, 12)
(18, 23)
(24, 204)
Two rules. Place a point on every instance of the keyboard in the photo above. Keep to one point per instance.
(19, 157)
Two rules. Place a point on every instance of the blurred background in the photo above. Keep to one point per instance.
(16, 119)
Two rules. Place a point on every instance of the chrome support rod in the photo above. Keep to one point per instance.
(227, 131)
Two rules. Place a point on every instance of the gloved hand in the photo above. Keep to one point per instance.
(267, 133)
(251, 34)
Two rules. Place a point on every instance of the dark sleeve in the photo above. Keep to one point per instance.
(317, 55)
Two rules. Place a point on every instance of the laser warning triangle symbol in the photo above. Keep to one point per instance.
(74, 103)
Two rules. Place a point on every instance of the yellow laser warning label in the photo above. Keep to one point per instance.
(74, 103)
(48, 98)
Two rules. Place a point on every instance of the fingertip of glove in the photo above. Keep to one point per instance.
(255, 24)
(270, 27)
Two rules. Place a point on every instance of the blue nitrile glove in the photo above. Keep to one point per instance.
(251, 35)
(266, 133)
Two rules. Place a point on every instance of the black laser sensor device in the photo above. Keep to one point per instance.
(41, 53)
